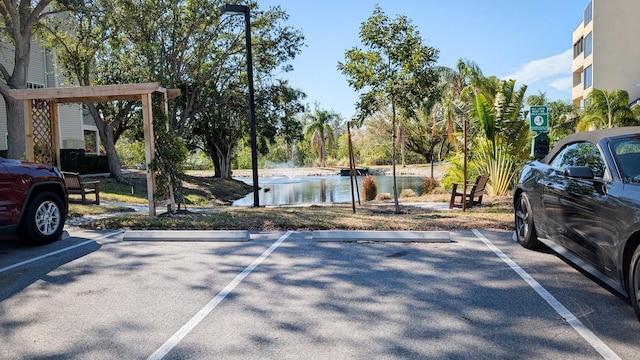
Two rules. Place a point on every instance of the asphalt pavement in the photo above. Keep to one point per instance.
(281, 295)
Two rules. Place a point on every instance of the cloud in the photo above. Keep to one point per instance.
(544, 70)
(562, 84)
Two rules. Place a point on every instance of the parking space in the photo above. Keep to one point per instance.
(282, 295)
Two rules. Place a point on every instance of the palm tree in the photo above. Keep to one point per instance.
(506, 133)
(606, 109)
(461, 86)
(510, 122)
(321, 133)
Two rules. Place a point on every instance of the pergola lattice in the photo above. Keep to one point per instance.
(42, 123)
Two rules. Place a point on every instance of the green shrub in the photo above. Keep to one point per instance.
(130, 153)
(198, 160)
(455, 171)
(369, 188)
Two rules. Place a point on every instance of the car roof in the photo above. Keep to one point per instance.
(591, 136)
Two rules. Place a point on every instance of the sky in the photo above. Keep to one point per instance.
(528, 41)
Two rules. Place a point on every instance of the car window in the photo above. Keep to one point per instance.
(580, 154)
(627, 156)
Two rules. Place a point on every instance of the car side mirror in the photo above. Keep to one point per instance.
(580, 172)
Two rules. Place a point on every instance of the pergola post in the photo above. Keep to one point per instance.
(115, 92)
(55, 133)
(28, 130)
(149, 148)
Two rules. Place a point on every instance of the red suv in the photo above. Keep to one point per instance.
(33, 201)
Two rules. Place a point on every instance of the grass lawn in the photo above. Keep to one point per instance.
(203, 191)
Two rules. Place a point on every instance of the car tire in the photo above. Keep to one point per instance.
(525, 228)
(634, 282)
(43, 219)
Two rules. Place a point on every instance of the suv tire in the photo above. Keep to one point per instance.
(43, 219)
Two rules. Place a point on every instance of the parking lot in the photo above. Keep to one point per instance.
(283, 296)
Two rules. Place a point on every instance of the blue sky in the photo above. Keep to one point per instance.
(529, 41)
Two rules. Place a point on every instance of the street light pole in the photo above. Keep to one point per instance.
(237, 10)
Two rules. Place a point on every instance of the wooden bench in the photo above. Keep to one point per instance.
(477, 190)
(75, 186)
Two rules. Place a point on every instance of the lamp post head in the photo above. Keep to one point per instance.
(233, 9)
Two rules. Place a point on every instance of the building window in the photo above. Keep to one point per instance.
(588, 77)
(31, 85)
(588, 14)
(577, 48)
(588, 46)
(91, 141)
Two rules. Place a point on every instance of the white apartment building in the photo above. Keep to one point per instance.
(606, 52)
(75, 133)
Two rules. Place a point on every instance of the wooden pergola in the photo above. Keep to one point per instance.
(42, 104)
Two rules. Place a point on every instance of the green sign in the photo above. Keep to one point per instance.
(539, 116)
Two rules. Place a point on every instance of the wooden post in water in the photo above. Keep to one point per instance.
(352, 160)
(352, 167)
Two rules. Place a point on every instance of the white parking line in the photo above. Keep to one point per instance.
(197, 318)
(577, 325)
(28, 261)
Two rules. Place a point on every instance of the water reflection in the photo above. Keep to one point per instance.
(320, 189)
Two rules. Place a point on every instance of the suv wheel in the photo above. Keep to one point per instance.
(43, 219)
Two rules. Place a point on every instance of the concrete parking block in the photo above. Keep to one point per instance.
(186, 235)
(382, 236)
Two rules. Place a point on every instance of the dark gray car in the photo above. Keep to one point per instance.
(583, 201)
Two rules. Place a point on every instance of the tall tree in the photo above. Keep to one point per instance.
(190, 45)
(19, 19)
(455, 107)
(321, 132)
(424, 131)
(220, 127)
(220, 50)
(395, 65)
(91, 52)
(606, 109)
(459, 86)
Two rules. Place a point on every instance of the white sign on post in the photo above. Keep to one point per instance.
(539, 116)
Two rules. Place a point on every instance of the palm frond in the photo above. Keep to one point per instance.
(487, 119)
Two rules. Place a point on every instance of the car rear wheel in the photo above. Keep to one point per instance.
(43, 219)
(525, 229)
(634, 282)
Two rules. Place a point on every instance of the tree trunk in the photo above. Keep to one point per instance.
(18, 80)
(323, 159)
(216, 165)
(221, 158)
(15, 127)
(15, 108)
(106, 137)
(19, 19)
(402, 140)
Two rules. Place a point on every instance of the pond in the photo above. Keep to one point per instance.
(282, 190)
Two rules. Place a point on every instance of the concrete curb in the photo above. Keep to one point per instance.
(381, 236)
(187, 235)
